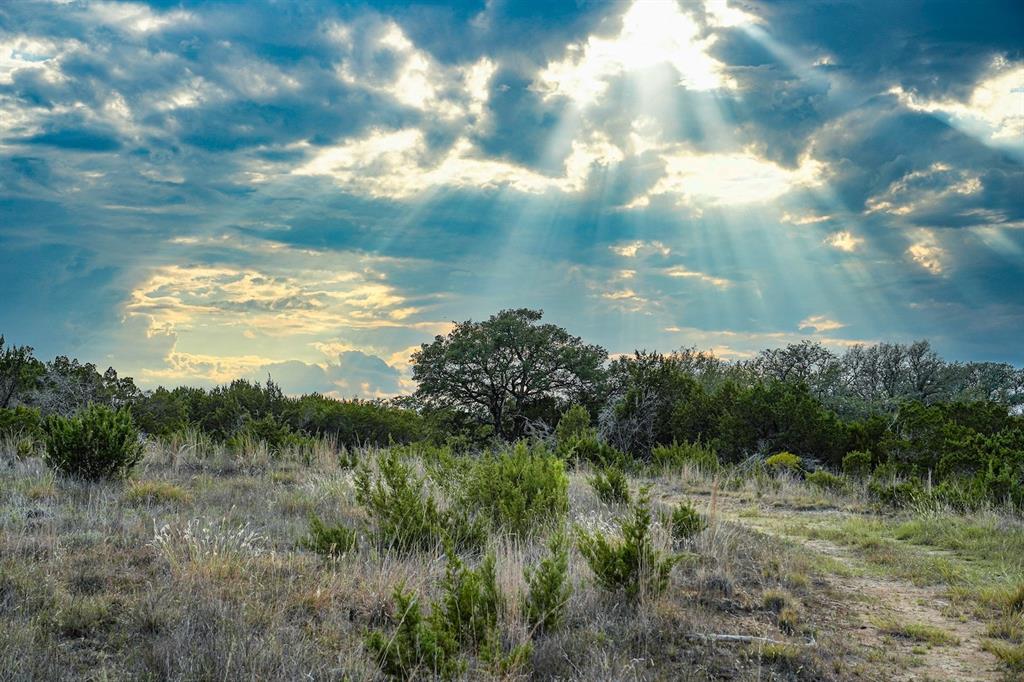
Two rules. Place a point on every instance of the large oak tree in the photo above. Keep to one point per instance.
(498, 367)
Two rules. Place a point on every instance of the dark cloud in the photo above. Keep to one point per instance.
(355, 374)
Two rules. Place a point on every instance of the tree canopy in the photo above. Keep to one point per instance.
(500, 366)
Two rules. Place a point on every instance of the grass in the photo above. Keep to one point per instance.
(918, 632)
(201, 569)
(1012, 655)
(155, 492)
(977, 557)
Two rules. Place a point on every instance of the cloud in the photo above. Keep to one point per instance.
(924, 188)
(994, 110)
(354, 374)
(651, 33)
(270, 302)
(632, 249)
(819, 324)
(400, 164)
(192, 192)
(136, 18)
(927, 254)
(741, 345)
(736, 178)
(844, 241)
(680, 271)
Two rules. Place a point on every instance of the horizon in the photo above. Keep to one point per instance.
(313, 190)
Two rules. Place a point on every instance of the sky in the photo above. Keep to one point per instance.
(197, 191)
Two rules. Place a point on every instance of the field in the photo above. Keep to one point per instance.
(200, 567)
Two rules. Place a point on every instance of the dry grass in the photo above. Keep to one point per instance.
(196, 571)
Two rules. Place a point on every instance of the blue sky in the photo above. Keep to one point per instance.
(194, 191)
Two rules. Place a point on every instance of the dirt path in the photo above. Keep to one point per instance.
(873, 600)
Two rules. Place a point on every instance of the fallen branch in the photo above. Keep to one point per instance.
(711, 637)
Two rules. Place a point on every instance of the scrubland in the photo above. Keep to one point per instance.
(220, 563)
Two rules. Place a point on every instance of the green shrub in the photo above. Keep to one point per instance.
(590, 448)
(857, 464)
(632, 564)
(96, 444)
(463, 620)
(21, 421)
(548, 588)
(611, 485)
(277, 435)
(520, 490)
(676, 455)
(573, 425)
(406, 515)
(419, 645)
(334, 540)
(354, 423)
(825, 480)
(962, 494)
(783, 461)
(470, 601)
(895, 492)
(686, 522)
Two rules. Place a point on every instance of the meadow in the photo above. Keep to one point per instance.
(311, 562)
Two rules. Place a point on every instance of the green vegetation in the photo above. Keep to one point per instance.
(405, 514)
(783, 461)
(463, 621)
(857, 464)
(611, 485)
(334, 540)
(418, 645)
(825, 480)
(920, 632)
(520, 490)
(631, 565)
(548, 588)
(686, 522)
(448, 543)
(98, 443)
(676, 455)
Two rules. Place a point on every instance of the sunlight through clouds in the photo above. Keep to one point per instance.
(652, 33)
(739, 178)
(201, 192)
(399, 165)
(994, 112)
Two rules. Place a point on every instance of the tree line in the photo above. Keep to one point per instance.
(900, 407)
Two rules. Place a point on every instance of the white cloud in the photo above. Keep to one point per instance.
(137, 18)
(994, 112)
(634, 248)
(927, 253)
(680, 271)
(739, 345)
(727, 178)
(28, 52)
(417, 79)
(653, 32)
(274, 303)
(924, 188)
(820, 323)
(720, 13)
(398, 164)
(805, 219)
(844, 241)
